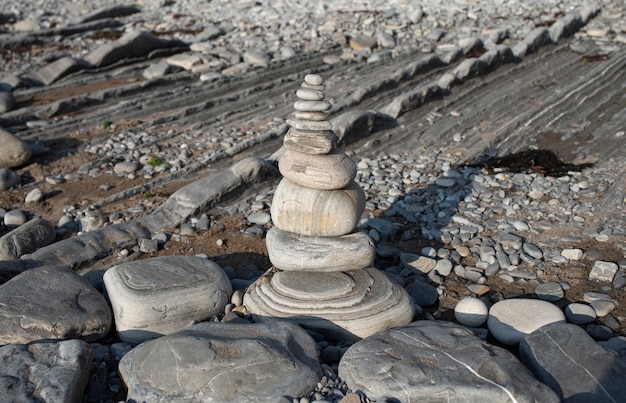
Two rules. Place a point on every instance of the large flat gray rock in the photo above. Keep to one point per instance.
(51, 372)
(220, 362)
(164, 295)
(51, 303)
(568, 360)
(438, 361)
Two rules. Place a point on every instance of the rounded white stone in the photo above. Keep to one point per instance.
(471, 312)
(512, 319)
(14, 217)
(314, 79)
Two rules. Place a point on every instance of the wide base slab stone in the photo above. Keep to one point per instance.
(51, 372)
(431, 361)
(291, 251)
(164, 295)
(221, 362)
(51, 303)
(341, 305)
(568, 360)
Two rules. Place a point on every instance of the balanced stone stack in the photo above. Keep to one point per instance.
(323, 277)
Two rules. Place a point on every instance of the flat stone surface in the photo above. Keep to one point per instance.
(341, 305)
(565, 358)
(163, 295)
(223, 362)
(331, 171)
(291, 251)
(315, 212)
(46, 371)
(440, 362)
(310, 142)
(32, 302)
(510, 320)
(603, 271)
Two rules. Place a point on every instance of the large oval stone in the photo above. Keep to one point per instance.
(163, 295)
(334, 170)
(291, 251)
(436, 361)
(512, 319)
(223, 362)
(51, 302)
(316, 212)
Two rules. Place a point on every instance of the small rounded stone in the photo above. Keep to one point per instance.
(314, 79)
(14, 217)
(549, 291)
(579, 314)
(471, 312)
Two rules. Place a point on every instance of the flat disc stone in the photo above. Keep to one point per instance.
(321, 286)
(373, 304)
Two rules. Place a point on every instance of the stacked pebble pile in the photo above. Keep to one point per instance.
(326, 280)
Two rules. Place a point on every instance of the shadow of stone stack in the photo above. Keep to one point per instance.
(323, 278)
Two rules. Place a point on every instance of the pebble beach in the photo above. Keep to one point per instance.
(134, 134)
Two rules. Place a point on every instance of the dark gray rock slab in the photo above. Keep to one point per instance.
(438, 361)
(223, 362)
(206, 192)
(412, 99)
(164, 295)
(45, 371)
(88, 247)
(133, 44)
(7, 101)
(358, 124)
(568, 360)
(10, 269)
(119, 10)
(58, 69)
(26, 238)
(51, 303)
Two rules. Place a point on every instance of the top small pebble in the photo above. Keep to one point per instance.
(313, 79)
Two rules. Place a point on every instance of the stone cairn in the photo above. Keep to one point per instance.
(323, 278)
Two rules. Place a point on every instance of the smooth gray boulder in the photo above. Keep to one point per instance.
(223, 362)
(51, 372)
(569, 361)
(291, 251)
(438, 361)
(164, 295)
(410, 100)
(14, 152)
(51, 303)
(26, 238)
(8, 178)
